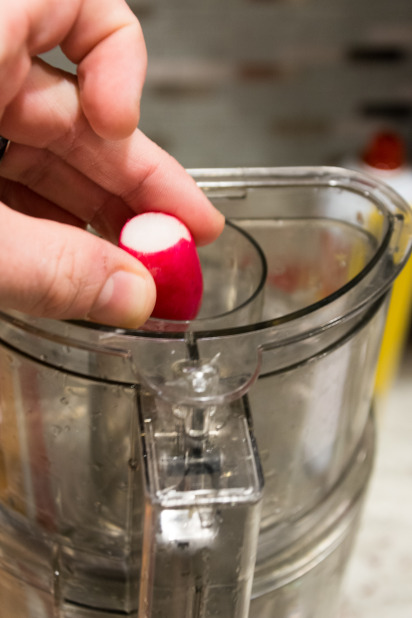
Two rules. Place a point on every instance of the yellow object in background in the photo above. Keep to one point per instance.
(385, 158)
(396, 331)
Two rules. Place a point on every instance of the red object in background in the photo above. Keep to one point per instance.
(386, 151)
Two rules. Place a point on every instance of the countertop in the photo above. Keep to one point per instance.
(378, 581)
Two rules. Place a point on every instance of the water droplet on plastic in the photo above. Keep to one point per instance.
(133, 464)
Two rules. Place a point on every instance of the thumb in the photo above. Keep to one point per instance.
(49, 269)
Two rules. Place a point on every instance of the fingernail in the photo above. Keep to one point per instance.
(126, 300)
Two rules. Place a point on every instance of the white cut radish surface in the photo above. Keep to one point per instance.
(166, 247)
(153, 232)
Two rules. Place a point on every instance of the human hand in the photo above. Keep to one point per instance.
(76, 158)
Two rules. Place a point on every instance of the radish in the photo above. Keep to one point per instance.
(165, 246)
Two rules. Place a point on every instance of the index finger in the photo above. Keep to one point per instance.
(103, 37)
(135, 169)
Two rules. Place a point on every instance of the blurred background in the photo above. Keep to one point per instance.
(275, 82)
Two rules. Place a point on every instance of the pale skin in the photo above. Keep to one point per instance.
(77, 158)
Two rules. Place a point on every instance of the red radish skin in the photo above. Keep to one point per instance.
(165, 246)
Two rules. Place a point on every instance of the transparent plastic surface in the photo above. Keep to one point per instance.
(203, 511)
(128, 468)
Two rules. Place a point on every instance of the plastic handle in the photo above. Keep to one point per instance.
(202, 513)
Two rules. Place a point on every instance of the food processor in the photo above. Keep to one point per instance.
(217, 467)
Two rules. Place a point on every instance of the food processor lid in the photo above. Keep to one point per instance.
(336, 195)
(376, 205)
(393, 241)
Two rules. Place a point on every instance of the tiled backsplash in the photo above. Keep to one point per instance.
(274, 82)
